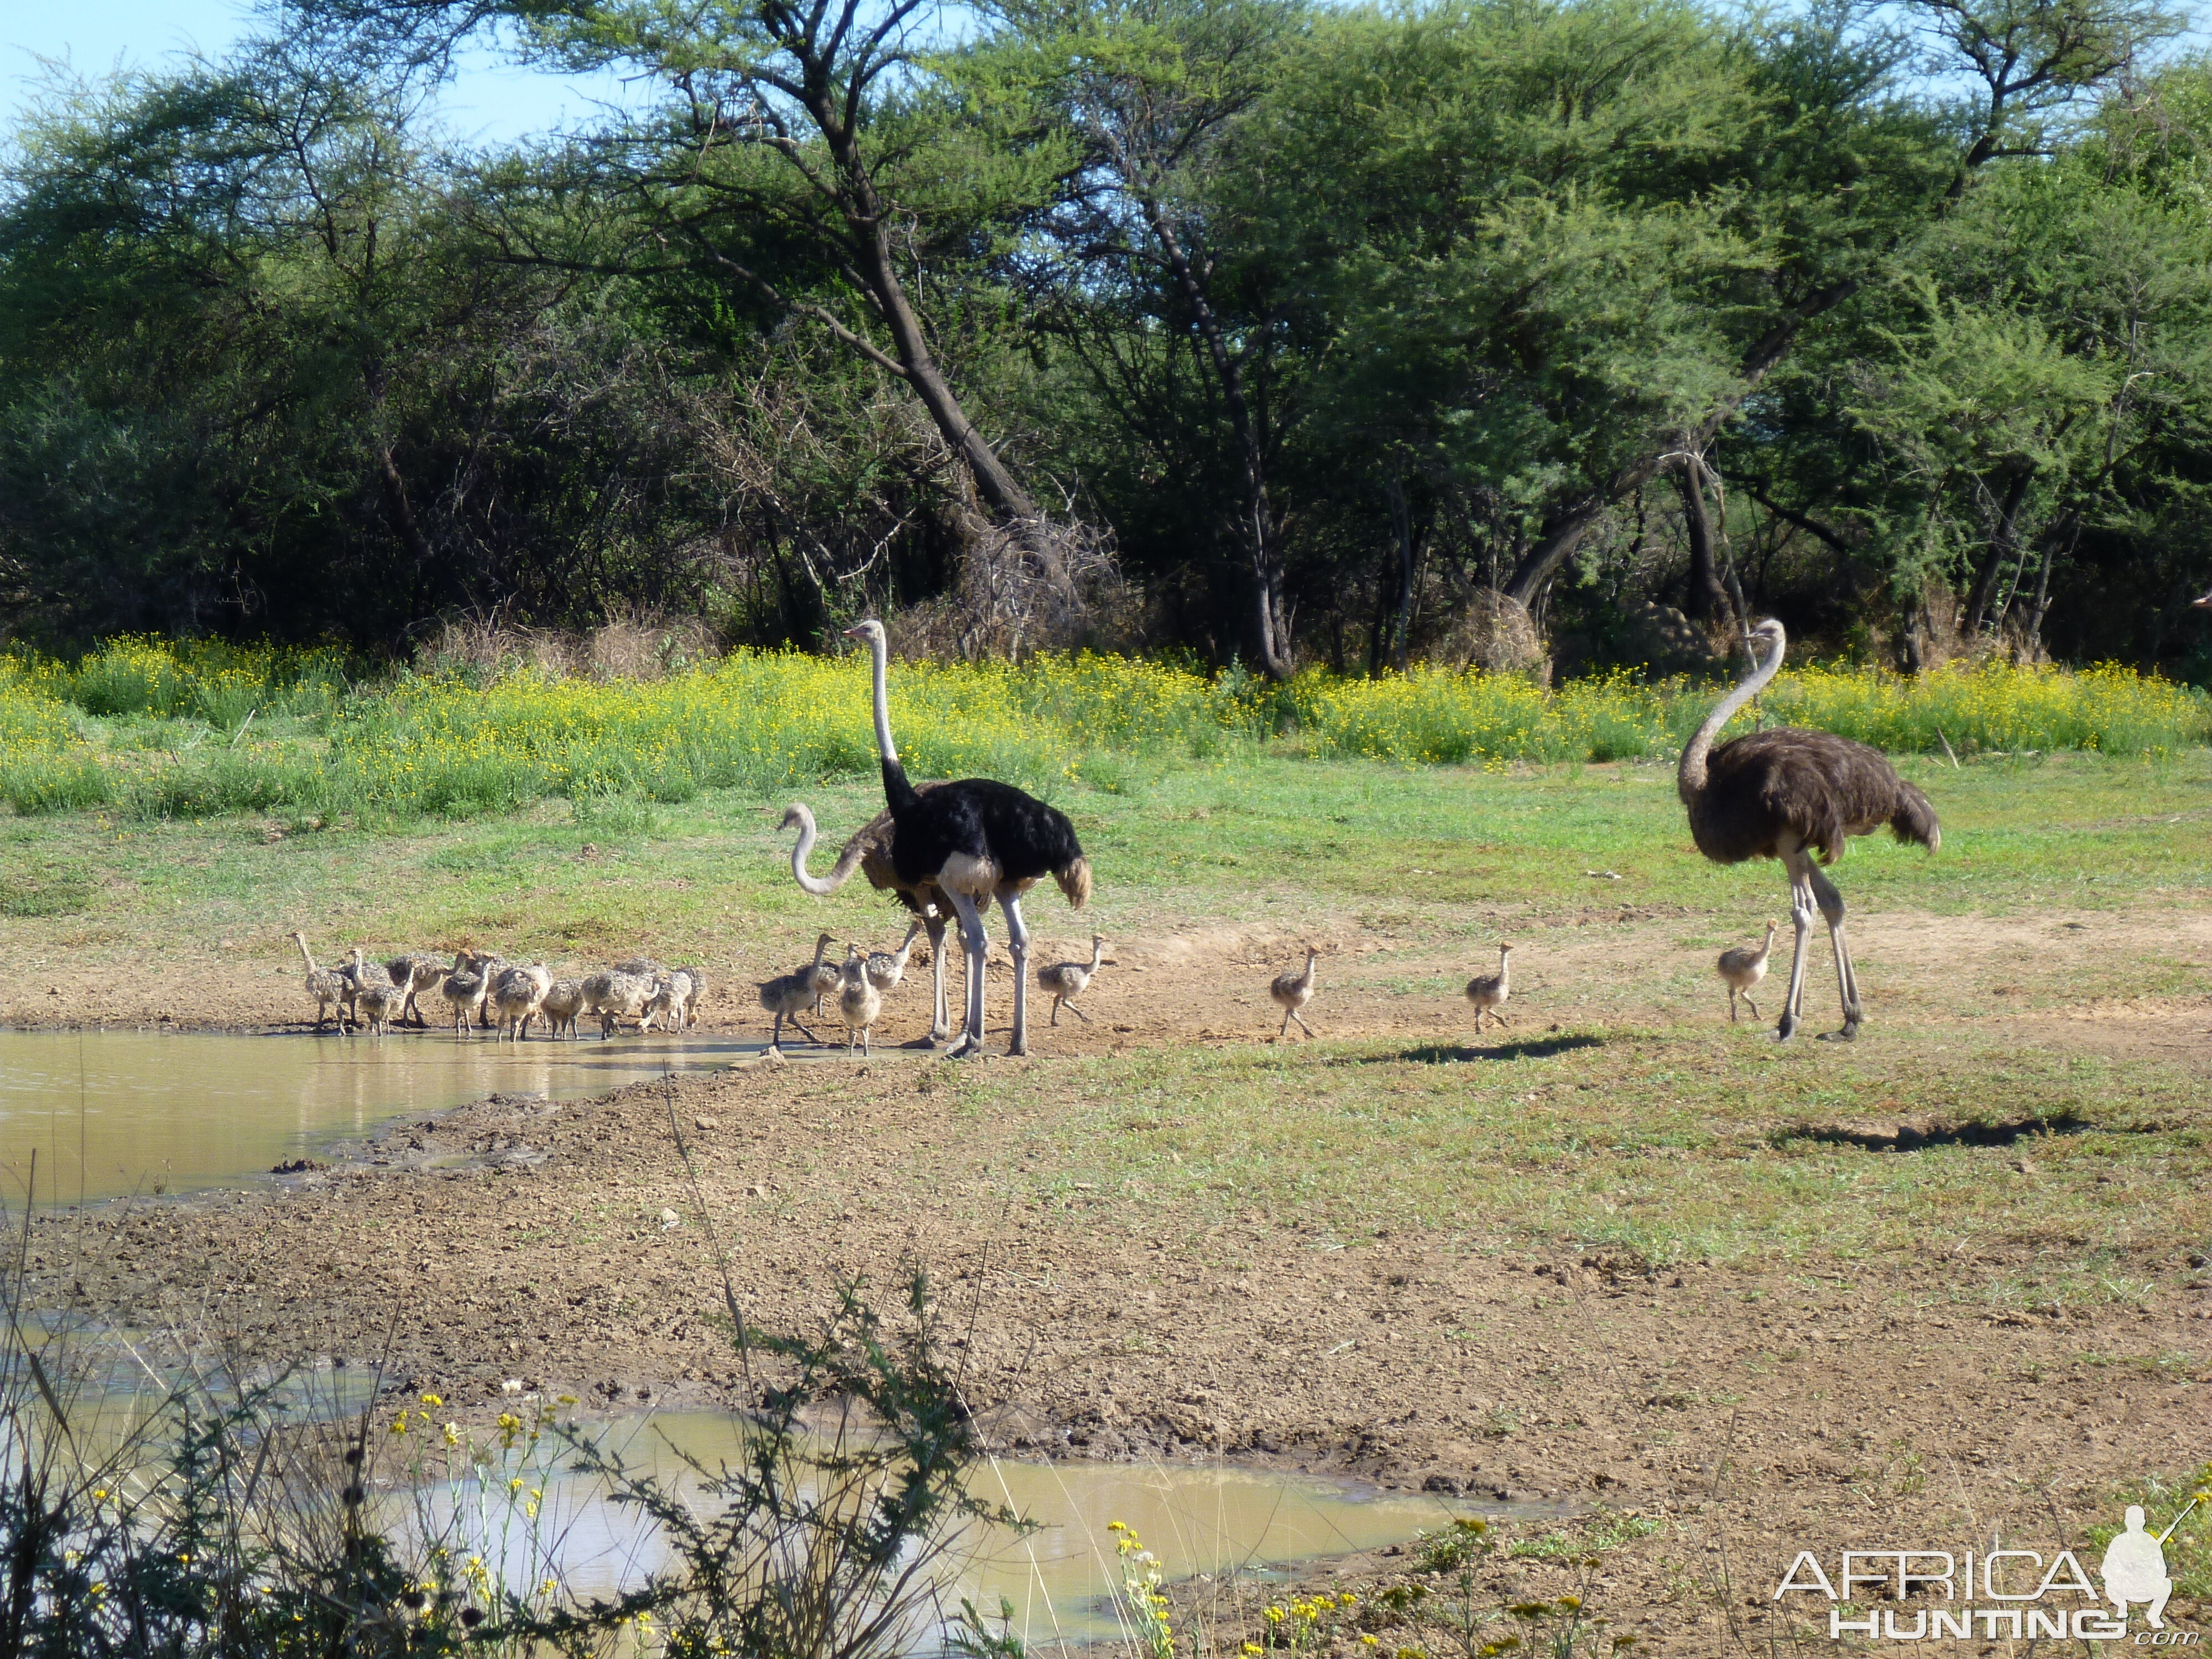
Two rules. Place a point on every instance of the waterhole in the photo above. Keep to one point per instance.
(1238, 1528)
(115, 1112)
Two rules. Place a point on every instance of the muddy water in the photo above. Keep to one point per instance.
(1061, 1577)
(110, 1113)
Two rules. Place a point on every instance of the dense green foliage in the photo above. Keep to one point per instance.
(1344, 328)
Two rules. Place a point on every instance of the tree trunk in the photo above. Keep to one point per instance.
(1402, 528)
(867, 235)
(2002, 546)
(1259, 513)
(1564, 532)
(995, 483)
(1708, 599)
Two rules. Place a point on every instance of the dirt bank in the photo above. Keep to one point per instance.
(1753, 1412)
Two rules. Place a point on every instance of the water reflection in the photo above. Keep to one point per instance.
(1218, 1521)
(116, 1112)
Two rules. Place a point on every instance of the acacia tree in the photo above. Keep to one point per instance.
(1148, 93)
(804, 153)
(2033, 60)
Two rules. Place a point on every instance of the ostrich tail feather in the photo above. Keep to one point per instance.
(1074, 880)
(1915, 818)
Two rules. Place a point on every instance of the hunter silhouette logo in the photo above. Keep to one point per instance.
(2013, 1593)
(2135, 1567)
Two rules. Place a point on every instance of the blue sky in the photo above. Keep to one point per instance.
(490, 100)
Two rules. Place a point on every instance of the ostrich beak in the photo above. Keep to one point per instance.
(858, 631)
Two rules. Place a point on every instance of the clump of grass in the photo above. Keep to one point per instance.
(1592, 1537)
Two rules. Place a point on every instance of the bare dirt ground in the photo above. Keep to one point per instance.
(2061, 976)
(1751, 1410)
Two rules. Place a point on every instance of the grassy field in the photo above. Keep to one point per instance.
(1619, 1112)
(1173, 843)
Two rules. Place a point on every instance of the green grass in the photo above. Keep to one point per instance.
(1259, 841)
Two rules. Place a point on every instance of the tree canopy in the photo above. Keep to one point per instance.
(1531, 333)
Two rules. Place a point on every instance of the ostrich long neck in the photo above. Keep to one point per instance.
(1690, 778)
(1098, 955)
(840, 873)
(898, 794)
(304, 956)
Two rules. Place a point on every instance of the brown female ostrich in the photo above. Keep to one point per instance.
(1786, 794)
(869, 851)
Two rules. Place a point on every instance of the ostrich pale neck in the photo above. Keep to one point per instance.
(883, 747)
(1690, 778)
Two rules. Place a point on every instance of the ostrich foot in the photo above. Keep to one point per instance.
(968, 1047)
(1787, 1029)
(1017, 1049)
(1849, 1034)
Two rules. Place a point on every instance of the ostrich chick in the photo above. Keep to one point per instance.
(464, 986)
(564, 1007)
(518, 994)
(859, 1002)
(1064, 981)
(377, 1000)
(1488, 992)
(329, 988)
(1742, 968)
(887, 968)
(788, 995)
(618, 996)
(1291, 991)
(414, 973)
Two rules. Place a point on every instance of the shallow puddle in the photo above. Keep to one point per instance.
(1061, 1577)
(116, 1112)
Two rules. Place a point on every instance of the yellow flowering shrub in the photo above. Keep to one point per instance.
(773, 721)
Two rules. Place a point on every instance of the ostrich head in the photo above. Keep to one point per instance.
(871, 630)
(1768, 639)
(796, 816)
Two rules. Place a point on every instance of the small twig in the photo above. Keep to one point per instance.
(1946, 742)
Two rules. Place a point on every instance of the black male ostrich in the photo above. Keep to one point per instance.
(974, 840)
(1786, 793)
(869, 851)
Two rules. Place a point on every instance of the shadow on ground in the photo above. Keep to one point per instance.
(1909, 1138)
(1446, 1053)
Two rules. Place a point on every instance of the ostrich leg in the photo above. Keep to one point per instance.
(1847, 980)
(1017, 947)
(940, 1017)
(973, 943)
(1802, 909)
